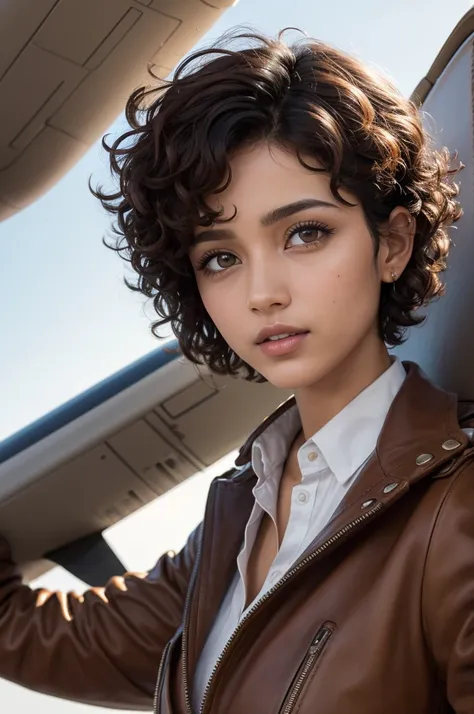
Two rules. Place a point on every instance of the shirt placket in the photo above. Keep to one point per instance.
(301, 513)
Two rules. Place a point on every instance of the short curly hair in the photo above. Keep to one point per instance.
(307, 97)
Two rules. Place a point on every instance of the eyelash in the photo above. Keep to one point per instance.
(316, 225)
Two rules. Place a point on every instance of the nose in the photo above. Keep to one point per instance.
(268, 288)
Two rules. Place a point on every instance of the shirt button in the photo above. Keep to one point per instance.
(312, 456)
(303, 497)
(275, 575)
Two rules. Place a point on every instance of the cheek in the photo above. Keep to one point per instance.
(218, 305)
(209, 302)
(342, 288)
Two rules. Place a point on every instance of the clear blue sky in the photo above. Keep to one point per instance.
(66, 319)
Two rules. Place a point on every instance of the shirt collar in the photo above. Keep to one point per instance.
(270, 449)
(345, 442)
(348, 440)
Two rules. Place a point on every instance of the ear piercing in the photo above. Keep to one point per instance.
(393, 275)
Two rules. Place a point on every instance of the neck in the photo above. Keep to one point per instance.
(322, 401)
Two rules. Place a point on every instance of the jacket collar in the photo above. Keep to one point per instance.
(420, 433)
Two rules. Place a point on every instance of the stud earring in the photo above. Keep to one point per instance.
(393, 275)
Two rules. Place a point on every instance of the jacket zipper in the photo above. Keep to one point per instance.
(187, 698)
(267, 595)
(315, 651)
(184, 636)
(158, 678)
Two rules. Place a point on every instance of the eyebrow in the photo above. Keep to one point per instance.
(269, 219)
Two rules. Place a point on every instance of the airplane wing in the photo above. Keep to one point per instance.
(85, 466)
(66, 70)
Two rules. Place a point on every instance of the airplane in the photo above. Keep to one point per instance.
(83, 467)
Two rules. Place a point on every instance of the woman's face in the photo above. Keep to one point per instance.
(292, 260)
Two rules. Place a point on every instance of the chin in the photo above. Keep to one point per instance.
(292, 377)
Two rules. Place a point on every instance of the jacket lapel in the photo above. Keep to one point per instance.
(228, 510)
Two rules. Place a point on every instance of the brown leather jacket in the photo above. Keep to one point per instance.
(377, 615)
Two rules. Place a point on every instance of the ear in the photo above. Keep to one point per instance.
(396, 244)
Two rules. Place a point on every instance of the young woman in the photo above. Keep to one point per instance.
(286, 212)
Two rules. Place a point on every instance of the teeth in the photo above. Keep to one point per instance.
(281, 337)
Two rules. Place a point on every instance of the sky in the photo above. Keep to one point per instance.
(66, 319)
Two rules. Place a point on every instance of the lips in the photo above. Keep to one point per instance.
(277, 329)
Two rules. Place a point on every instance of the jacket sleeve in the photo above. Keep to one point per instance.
(103, 647)
(448, 592)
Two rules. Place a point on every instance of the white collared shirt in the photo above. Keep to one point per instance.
(330, 462)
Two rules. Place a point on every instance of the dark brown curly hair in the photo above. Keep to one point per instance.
(307, 97)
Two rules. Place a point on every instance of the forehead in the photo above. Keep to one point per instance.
(264, 176)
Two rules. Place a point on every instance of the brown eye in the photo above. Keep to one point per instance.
(307, 234)
(217, 262)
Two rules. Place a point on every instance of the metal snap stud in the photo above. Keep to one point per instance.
(451, 444)
(366, 504)
(423, 459)
(391, 487)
